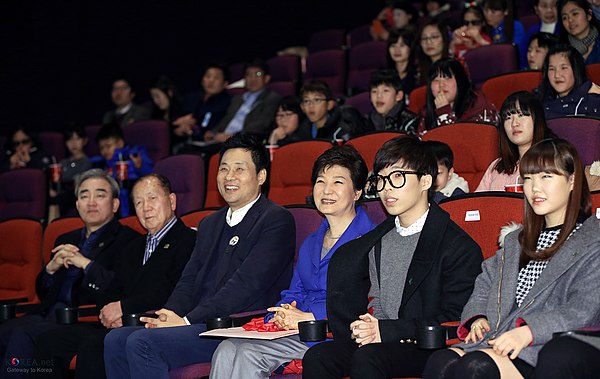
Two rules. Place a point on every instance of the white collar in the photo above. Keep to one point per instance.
(125, 109)
(415, 228)
(235, 217)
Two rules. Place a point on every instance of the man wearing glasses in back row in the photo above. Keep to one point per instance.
(417, 267)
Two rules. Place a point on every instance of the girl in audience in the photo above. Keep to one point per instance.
(565, 88)
(474, 32)
(166, 102)
(500, 17)
(521, 125)
(21, 151)
(538, 49)
(287, 119)
(581, 28)
(400, 58)
(543, 280)
(401, 15)
(338, 177)
(451, 98)
(432, 45)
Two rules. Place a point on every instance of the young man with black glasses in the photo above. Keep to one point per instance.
(417, 267)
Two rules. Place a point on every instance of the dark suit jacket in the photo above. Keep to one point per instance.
(260, 119)
(104, 254)
(438, 284)
(251, 273)
(145, 287)
(135, 113)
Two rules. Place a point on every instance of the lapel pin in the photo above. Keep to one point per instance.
(101, 244)
(234, 240)
(167, 246)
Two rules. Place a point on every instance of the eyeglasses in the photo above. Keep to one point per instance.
(431, 38)
(256, 74)
(21, 142)
(472, 22)
(396, 178)
(284, 115)
(121, 88)
(307, 102)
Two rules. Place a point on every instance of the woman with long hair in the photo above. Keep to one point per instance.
(432, 44)
(522, 124)
(400, 58)
(580, 28)
(543, 280)
(451, 98)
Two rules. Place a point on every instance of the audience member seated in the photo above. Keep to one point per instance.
(113, 150)
(252, 112)
(126, 111)
(548, 14)
(499, 15)
(145, 275)
(566, 89)
(204, 108)
(570, 357)
(166, 101)
(401, 15)
(417, 267)
(21, 151)
(448, 183)
(387, 97)
(435, 8)
(338, 177)
(62, 194)
(473, 34)
(288, 118)
(400, 44)
(80, 269)
(522, 124)
(580, 28)
(242, 260)
(451, 98)
(433, 44)
(539, 46)
(325, 120)
(543, 280)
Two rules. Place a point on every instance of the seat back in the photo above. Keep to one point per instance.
(291, 171)
(55, 229)
(213, 197)
(134, 223)
(368, 144)
(53, 143)
(482, 215)
(478, 60)
(362, 61)
(529, 20)
(23, 194)
(186, 174)
(192, 219)
(283, 88)
(582, 132)
(375, 210)
(596, 204)
(593, 72)
(498, 88)
(20, 258)
(362, 102)
(284, 68)
(417, 99)
(307, 220)
(330, 39)
(91, 148)
(360, 34)
(474, 145)
(329, 66)
(153, 134)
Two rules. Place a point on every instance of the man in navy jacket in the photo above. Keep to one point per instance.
(242, 260)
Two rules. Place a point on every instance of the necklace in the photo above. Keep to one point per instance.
(329, 235)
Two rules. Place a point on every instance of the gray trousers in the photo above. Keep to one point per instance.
(247, 358)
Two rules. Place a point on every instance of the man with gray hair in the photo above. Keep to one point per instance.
(80, 268)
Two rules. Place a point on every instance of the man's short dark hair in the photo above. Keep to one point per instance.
(250, 143)
(344, 156)
(443, 153)
(162, 180)
(110, 130)
(386, 77)
(220, 66)
(411, 152)
(316, 86)
(258, 63)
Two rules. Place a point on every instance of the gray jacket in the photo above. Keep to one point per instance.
(564, 297)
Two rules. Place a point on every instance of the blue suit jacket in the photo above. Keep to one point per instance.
(249, 275)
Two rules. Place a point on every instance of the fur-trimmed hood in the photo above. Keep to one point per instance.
(506, 229)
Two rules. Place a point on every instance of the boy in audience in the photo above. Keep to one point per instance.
(113, 151)
(387, 98)
(448, 183)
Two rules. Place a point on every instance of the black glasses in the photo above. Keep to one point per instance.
(396, 178)
(21, 142)
(472, 22)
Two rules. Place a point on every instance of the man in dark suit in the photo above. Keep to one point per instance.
(242, 260)
(147, 272)
(126, 111)
(81, 267)
(418, 267)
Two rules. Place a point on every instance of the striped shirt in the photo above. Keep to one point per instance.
(152, 240)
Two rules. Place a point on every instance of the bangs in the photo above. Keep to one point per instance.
(515, 107)
(443, 70)
(543, 158)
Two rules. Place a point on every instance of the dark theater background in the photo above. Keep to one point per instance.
(59, 57)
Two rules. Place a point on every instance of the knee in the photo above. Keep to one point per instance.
(225, 351)
(313, 359)
(365, 356)
(477, 365)
(441, 364)
(137, 342)
(558, 350)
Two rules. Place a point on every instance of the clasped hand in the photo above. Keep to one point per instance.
(287, 316)
(365, 330)
(64, 256)
(166, 319)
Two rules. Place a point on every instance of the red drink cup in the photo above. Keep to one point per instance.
(514, 188)
(272, 149)
(55, 172)
(122, 170)
(339, 141)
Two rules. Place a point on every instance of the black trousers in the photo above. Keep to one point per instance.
(566, 358)
(337, 359)
(85, 340)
